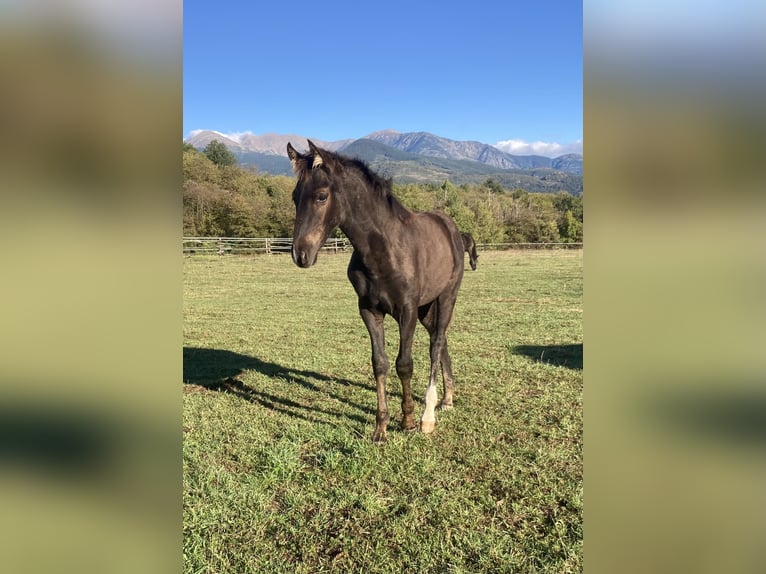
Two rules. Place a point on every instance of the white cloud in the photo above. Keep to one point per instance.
(237, 136)
(548, 149)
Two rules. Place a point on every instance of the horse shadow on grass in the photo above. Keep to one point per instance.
(221, 370)
(560, 355)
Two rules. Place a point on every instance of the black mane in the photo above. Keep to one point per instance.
(382, 186)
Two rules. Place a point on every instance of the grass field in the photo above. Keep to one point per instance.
(280, 474)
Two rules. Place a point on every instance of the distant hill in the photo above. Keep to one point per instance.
(405, 167)
(266, 144)
(414, 157)
(264, 162)
(570, 162)
(201, 138)
(424, 143)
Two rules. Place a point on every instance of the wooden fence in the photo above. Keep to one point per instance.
(251, 245)
(507, 246)
(271, 245)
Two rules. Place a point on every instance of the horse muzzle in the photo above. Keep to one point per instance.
(303, 257)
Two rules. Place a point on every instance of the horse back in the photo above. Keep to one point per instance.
(440, 251)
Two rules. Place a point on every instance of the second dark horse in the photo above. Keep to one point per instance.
(405, 264)
(470, 247)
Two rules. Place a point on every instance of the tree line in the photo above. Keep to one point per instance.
(221, 199)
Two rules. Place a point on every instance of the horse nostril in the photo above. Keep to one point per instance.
(298, 255)
(301, 257)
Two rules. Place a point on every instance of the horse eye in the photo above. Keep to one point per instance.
(321, 197)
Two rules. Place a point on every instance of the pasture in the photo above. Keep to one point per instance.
(280, 474)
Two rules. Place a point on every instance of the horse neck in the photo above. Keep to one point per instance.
(367, 216)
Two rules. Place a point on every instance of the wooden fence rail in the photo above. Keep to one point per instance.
(507, 246)
(250, 245)
(271, 245)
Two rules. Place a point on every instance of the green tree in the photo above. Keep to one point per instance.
(564, 202)
(532, 218)
(199, 209)
(198, 168)
(519, 194)
(487, 228)
(414, 196)
(493, 186)
(219, 154)
(281, 209)
(570, 228)
(241, 181)
(235, 215)
(464, 218)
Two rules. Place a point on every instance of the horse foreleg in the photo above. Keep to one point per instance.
(374, 323)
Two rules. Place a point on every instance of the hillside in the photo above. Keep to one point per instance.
(406, 167)
(414, 157)
(424, 143)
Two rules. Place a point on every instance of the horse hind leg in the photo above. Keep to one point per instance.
(438, 358)
(448, 379)
(427, 316)
(428, 420)
(436, 319)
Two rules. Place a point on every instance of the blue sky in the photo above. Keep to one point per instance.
(492, 71)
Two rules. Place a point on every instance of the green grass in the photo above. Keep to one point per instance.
(280, 474)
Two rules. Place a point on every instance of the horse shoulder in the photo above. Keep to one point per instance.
(358, 275)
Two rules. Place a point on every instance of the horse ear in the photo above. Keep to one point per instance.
(293, 155)
(318, 159)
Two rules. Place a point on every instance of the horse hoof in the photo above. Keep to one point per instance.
(445, 406)
(427, 427)
(379, 438)
(409, 428)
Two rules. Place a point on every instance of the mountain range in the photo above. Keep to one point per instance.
(413, 157)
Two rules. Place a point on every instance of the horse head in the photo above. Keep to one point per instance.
(317, 208)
